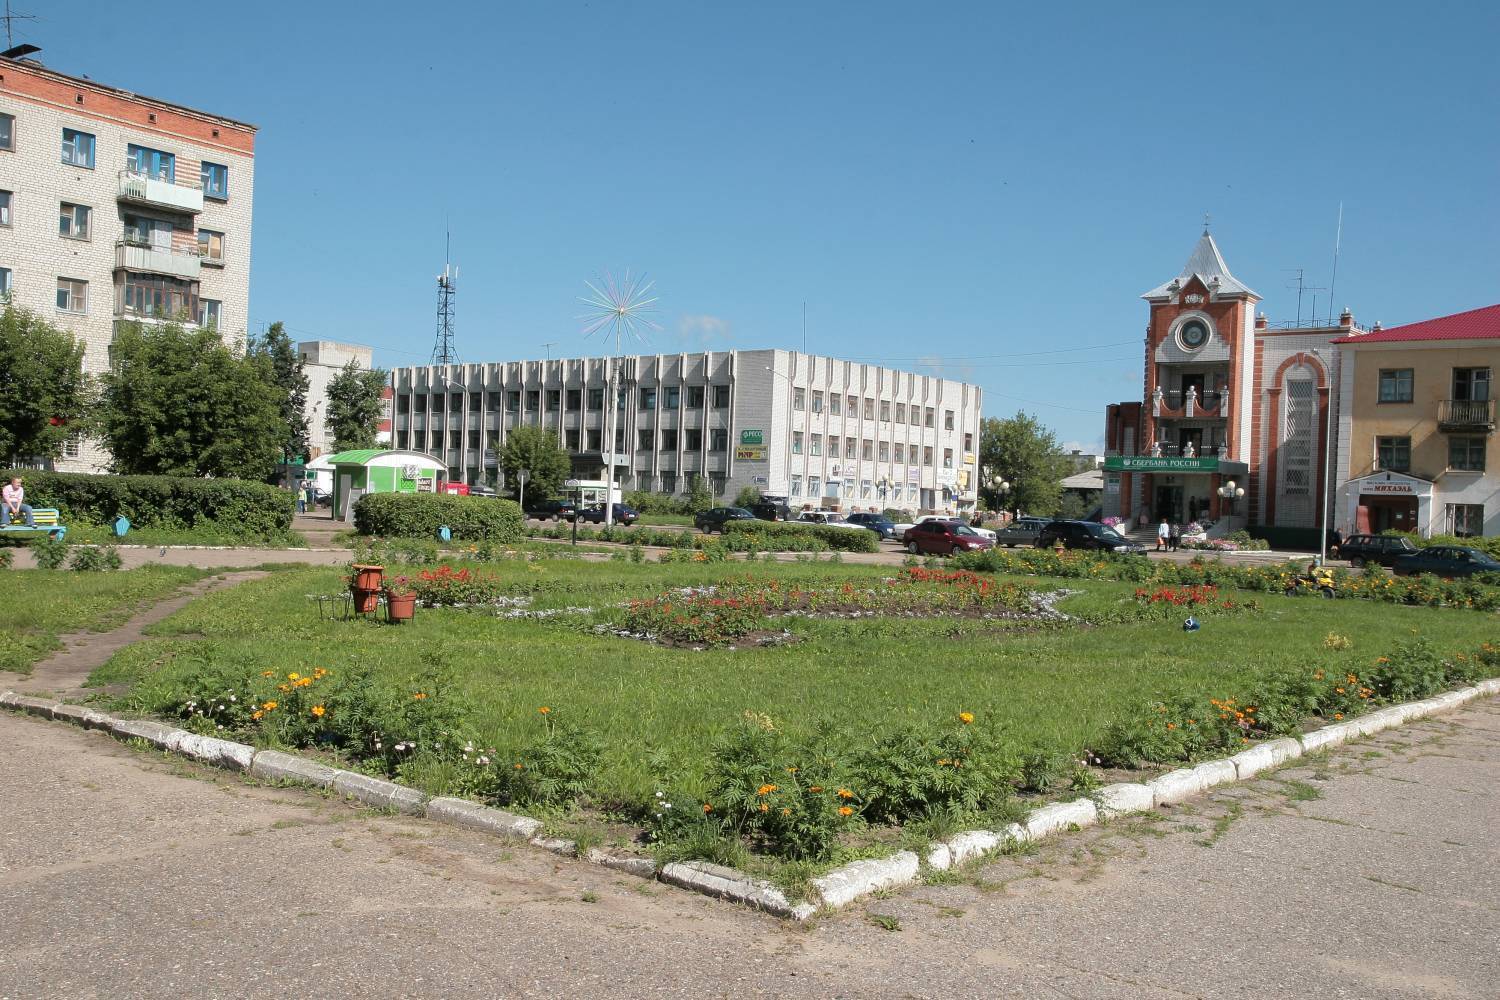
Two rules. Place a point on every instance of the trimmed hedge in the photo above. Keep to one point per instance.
(768, 535)
(232, 506)
(419, 515)
(1490, 544)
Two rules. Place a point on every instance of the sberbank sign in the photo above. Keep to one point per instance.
(1146, 463)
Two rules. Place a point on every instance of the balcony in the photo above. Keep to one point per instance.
(1190, 404)
(133, 256)
(143, 189)
(1475, 416)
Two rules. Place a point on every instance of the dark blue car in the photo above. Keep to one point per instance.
(1446, 561)
(878, 523)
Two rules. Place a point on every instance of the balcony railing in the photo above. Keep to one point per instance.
(1190, 403)
(132, 255)
(148, 190)
(1466, 415)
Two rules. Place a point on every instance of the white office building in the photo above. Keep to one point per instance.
(819, 431)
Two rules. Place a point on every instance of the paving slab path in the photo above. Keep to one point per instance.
(1373, 873)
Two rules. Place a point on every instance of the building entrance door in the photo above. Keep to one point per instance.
(1168, 504)
(1380, 513)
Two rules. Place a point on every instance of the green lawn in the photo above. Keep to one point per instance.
(98, 534)
(1058, 686)
(41, 604)
(667, 520)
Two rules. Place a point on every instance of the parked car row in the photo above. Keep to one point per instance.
(567, 510)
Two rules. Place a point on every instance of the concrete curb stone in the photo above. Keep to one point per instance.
(33, 706)
(556, 845)
(221, 753)
(1328, 737)
(1265, 756)
(379, 793)
(1060, 816)
(726, 883)
(473, 816)
(88, 718)
(273, 765)
(1124, 797)
(859, 878)
(639, 867)
(156, 733)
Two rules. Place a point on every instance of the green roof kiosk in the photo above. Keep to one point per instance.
(371, 470)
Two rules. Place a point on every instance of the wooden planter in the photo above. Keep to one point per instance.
(365, 601)
(400, 607)
(368, 577)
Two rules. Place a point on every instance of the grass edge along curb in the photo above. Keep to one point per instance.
(835, 889)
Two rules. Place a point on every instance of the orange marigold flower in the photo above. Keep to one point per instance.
(764, 808)
(707, 808)
(256, 714)
(269, 706)
(520, 766)
(966, 717)
(284, 688)
(844, 793)
(268, 673)
(785, 811)
(816, 788)
(1338, 715)
(845, 811)
(765, 790)
(319, 711)
(419, 696)
(544, 710)
(1171, 725)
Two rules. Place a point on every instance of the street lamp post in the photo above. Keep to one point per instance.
(1230, 492)
(997, 484)
(521, 476)
(1327, 454)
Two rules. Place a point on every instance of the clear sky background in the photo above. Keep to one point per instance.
(979, 189)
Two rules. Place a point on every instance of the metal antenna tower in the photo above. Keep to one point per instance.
(10, 18)
(443, 351)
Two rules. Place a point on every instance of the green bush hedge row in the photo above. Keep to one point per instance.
(1489, 544)
(770, 534)
(741, 536)
(232, 506)
(419, 515)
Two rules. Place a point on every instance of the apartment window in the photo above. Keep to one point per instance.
(947, 458)
(5, 200)
(210, 313)
(575, 399)
(1466, 520)
(869, 409)
(1395, 385)
(668, 440)
(513, 402)
(927, 417)
(693, 440)
(669, 482)
(7, 131)
(817, 402)
(900, 413)
(148, 232)
(492, 401)
(533, 400)
(673, 397)
(695, 397)
(900, 454)
(572, 439)
(896, 492)
(866, 488)
(814, 486)
(721, 397)
(151, 162)
(1466, 454)
(72, 443)
(1471, 384)
(848, 489)
(835, 404)
(1393, 453)
(885, 451)
(595, 437)
(718, 440)
(796, 489)
(648, 399)
(927, 457)
(645, 440)
(817, 444)
(73, 221)
(554, 400)
(719, 484)
(853, 407)
(968, 442)
(885, 410)
(849, 448)
(72, 295)
(596, 399)
(5, 281)
(947, 420)
(796, 442)
(799, 399)
(211, 246)
(78, 148)
(215, 181)
(867, 450)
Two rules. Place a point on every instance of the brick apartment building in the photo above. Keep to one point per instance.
(820, 431)
(114, 207)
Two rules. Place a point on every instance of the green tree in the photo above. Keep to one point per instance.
(1026, 455)
(539, 453)
(748, 496)
(181, 402)
(354, 406)
(291, 384)
(44, 392)
(698, 498)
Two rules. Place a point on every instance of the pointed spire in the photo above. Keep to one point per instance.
(1207, 264)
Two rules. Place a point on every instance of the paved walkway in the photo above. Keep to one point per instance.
(1372, 874)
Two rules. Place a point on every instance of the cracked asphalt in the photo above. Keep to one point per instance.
(1373, 872)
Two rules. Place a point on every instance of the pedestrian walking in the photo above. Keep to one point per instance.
(1174, 537)
(1163, 533)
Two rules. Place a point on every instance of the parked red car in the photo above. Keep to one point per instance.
(943, 538)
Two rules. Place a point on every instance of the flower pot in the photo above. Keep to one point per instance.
(367, 577)
(365, 601)
(400, 607)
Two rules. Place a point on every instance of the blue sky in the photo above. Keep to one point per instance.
(979, 189)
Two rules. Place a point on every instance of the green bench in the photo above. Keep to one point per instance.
(47, 523)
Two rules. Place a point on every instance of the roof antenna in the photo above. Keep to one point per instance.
(1337, 241)
(12, 50)
(443, 351)
(1206, 220)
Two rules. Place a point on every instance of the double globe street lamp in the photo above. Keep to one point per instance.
(1230, 492)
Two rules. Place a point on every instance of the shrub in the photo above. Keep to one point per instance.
(419, 515)
(50, 553)
(656, 503)
(555, 768)
(748, 496)
(787, 536)
(232, 506)
(93, 559)
(914, 771)
(5, 558)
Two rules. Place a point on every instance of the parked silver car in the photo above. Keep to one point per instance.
(1022, 531)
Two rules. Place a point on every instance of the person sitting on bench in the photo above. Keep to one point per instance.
(13, 504)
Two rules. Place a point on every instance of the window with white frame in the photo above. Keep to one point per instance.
(799, 398)
(72, 295)
(835, 404)
(867, 449)
(77, 148)
(866, 489)
(817, 444)
(927, 457)
(718, 440)
(885, 451)
(7, 131)
(72, 445)
(900, 413)
(211, 246)
(796, 487)
(6, 198)
(1466, 454)
(215, 177)
(848, 489)
(869, 409)
(885, 411)
(796, 442)
(947, 458)
(947, 420)
(927, 417)
(814, 486)
(817, 402)
(5, 282)
(1466, 520)
(210, 313)
(73, 221)
(900, 454)
(849, 447)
